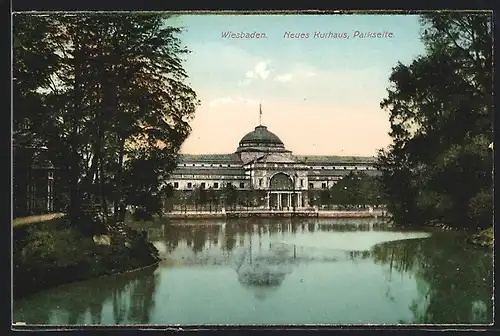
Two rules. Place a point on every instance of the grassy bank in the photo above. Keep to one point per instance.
(484, 238)
(53, 253)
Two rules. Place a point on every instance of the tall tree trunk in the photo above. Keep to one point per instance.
(75, 199)
(118, 184)
(102, 189)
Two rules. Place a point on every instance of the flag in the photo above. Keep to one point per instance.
(260, 114)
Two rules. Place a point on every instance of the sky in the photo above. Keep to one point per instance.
(321, 96)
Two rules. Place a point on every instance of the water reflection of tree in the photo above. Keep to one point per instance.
(230, 237)
(456, 286)
(172, 235)
(213, 234)
(130, 295)
(142, 295)
(199, 239)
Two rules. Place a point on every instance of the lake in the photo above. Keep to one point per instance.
(287, 271)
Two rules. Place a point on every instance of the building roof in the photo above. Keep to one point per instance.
(327, 159)
(210, 158)
(209, 171)
(339, 172)
(276, 158)
(261, 136)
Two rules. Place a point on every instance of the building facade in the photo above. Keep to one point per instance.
(262, 164)
(33, 182)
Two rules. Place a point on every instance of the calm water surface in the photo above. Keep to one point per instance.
(284, 272)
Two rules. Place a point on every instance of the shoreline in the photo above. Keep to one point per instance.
(95, 277)
(273, 214)
(21, 297)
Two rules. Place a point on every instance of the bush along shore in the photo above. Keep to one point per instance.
(484, 238)
(54, 253)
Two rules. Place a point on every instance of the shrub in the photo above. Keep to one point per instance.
(55, 247)
(481, 209)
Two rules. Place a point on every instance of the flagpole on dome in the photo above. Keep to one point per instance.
(260, 114)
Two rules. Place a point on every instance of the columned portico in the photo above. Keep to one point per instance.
(284, 200)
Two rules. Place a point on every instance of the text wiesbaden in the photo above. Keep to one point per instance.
(315, 35)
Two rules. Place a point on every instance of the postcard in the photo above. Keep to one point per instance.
(252, 169)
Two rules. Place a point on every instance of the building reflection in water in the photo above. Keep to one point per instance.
(253, 247)
(454, 283)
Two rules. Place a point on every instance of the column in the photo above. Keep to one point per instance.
(289, 199)
(299, 200)
(268, 196)
(279, 201)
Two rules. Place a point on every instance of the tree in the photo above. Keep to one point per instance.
(440, 110)
(212, 198)
(114, 86)
(230, 194)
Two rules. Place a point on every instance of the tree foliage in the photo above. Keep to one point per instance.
(107, 95)
(439, 165)
(353, 189)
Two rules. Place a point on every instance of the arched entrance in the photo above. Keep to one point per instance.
(282, 194)
(281, 181)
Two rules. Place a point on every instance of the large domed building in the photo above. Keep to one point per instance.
(262, 163)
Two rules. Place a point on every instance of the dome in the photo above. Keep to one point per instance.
(261, 136)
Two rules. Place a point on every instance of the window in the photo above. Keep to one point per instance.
(242, 185)
(220, 165)
(216, 185)
(323, 185)
(194, 165)
(184, 165)
(202, 165)
(311, 185)
(345, 168)
(228, 184)
(356, 168)
(322, 167)
(301, 182)
(260, 182)
(202, 185)
(190, 185)
(176, 184)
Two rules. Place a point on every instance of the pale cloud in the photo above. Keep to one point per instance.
(261, 69)
(232, 100)
(220, 101)
(244, 82)
(284, 77)
(298, 71)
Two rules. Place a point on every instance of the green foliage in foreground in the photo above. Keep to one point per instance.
(484, 238)
(55, 254)
(439, 165)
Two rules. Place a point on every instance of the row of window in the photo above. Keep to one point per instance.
(210, 165)
(261, 181)
(312, 167)
(242, 185)
(345, 168)
(203, 185)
